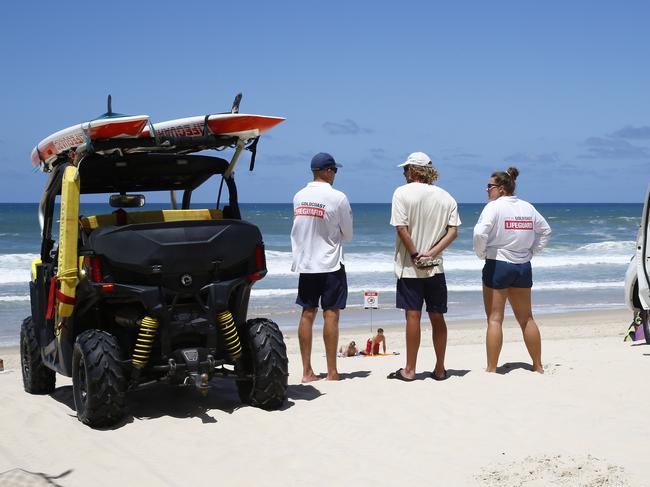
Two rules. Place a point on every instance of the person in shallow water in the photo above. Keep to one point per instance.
(508, 233)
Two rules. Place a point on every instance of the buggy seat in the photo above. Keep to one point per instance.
(90, 223)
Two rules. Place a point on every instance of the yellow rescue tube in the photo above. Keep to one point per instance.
(68, 272)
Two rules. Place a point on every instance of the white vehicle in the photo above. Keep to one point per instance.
(637, 277)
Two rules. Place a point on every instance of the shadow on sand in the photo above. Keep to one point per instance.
(450, 373)
(64, 396)
(511, 366)
(457, 372)
(18, 476)
(359, 374)
(303, 392)
(162, 400)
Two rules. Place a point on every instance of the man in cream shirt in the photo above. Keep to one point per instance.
(322, 220)
(425, 218)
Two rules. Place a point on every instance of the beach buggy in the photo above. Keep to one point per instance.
(134, 297)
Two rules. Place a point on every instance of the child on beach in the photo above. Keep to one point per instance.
(372, 345)
(350, 351)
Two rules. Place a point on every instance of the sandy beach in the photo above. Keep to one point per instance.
(582, 423)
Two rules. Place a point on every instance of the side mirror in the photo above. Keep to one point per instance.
(126, 200)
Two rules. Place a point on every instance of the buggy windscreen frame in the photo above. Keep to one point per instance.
(120, 172)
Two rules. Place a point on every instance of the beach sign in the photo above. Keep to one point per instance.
(370, 299)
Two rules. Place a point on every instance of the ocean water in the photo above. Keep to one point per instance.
(583, 267)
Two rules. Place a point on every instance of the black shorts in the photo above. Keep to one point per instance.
(413, 292)
(330, 288)
(498, 274)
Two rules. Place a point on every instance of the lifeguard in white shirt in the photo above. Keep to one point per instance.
(507, 235)
(511, 230)
(322, 220)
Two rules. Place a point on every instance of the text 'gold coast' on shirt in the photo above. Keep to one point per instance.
(322, 220)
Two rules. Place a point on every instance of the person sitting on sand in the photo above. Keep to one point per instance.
(372, 345)
(350, 351)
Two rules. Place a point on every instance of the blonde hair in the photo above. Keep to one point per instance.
(424, 174)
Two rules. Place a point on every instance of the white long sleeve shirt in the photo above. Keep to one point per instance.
(322, 220)
(511, 230)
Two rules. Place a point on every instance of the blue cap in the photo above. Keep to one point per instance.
(323, 160)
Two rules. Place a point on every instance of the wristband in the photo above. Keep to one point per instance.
(414, 255)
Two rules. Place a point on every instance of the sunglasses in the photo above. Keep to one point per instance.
(333, 169)
(490, 186)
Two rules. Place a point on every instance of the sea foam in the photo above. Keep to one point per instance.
(601, 253)
(16, 267)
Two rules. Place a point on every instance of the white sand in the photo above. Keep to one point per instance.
(584, 423)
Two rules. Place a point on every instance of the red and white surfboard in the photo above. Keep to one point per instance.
(51, 147)
(237, 124)
(240, 125)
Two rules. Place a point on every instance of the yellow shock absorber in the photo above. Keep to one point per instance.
(144, 343)
(231, 337)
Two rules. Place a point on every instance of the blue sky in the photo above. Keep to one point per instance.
(559, 89)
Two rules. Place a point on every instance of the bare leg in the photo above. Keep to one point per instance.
(439, 337)
(495, 303)
(487, 300)
(305, 340)
(412, 342)
(521, 305)
(331, 339)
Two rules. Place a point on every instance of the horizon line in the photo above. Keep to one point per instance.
(355, 202)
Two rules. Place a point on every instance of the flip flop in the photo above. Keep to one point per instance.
(398, 375)
(434, 377)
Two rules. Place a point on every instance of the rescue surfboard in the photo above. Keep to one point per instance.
(241, 125)
(107, 126)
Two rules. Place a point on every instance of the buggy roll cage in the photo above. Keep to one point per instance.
(141, 165)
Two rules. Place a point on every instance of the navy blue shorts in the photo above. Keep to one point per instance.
(330, 288)
(498, 274)
(413, 292)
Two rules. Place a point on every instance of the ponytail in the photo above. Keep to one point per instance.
(507, 179)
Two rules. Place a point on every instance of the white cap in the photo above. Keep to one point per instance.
(417, 159)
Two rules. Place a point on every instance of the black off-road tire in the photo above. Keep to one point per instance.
(37, 377)
(98, 379)
(265, 357)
